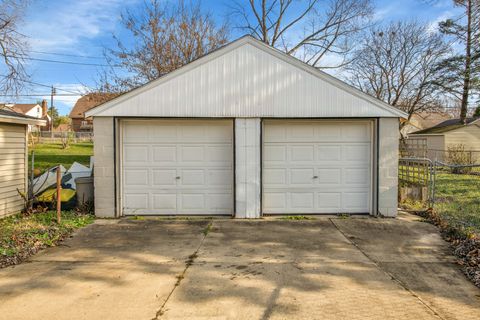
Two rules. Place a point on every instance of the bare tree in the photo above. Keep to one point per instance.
(461, 72)
(12, 46)
(165, 37)
(310, 30)
(397, 64)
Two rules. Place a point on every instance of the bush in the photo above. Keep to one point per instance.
(458, 156)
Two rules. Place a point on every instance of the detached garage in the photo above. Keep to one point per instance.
(245, 131)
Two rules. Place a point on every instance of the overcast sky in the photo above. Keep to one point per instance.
(85, 27)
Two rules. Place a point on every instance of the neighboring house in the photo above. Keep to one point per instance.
(14, 158)
(450, 133)
(34, 110)
(246, 130)
(424, 120)
(80, 123)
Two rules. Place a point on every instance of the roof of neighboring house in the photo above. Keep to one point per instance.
(23, 107)
(9, 116)
(446, 125)
(88, 102)
(62, 127)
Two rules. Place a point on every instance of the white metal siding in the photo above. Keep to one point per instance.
(246, 81)
(12, 167)
(177, 167)
(317, 166)
(248, 167)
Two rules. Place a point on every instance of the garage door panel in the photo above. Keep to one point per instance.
(301, 176)
(357, 176)
(355, 200)
(317, 166)
(192, 177)
(187, 167)
(136, 201)
(275, 153)
(329, 152)
(164, 177)
(219, 178)
(302, 200)
(136, 177)
(164, 201)
(275, 200)
(358, 153)
(330, 201)
(329, 176)
(217, 153)
(272, 177)
(302, 152)
(136, 153)
(164, 153)
(192, 153)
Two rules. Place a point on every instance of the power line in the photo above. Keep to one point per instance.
(66, 54)
(65, 62)
(42, 94)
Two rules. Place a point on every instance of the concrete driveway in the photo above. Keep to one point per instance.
(355, 268)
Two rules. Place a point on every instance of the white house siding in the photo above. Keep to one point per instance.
(388, 167)
(247, 168)
(13, 164)
(246, 79)
(104, 168)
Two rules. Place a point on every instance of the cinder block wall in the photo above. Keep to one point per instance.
(104, 155)
(247, 168)
(388, 167)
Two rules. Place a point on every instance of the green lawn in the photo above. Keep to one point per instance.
(22, 236)
(51, 154)
(458, 200)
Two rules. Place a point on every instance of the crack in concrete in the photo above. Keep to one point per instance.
(390, 275)
(180, 277)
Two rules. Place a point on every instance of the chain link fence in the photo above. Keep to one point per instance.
(452, 190)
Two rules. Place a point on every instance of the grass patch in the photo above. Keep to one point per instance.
(457, 201)
(51, 154)
(297, 218)
(22, 236)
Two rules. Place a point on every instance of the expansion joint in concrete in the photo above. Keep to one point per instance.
(388, 274)
(190, 260)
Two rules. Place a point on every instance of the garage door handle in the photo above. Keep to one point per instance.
(315, 177)
(177, 178)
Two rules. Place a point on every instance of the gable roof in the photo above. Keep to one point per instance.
(446, 126)
(246, 78)
(9, 116)
(88, 102)
(23, 107)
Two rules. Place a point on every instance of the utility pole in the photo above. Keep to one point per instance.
(54, 91)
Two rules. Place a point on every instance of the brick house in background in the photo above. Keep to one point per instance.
(80, 123)
(35, 110)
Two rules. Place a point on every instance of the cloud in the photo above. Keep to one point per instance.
(62, 25)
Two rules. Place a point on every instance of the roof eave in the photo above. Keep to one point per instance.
(20, 120)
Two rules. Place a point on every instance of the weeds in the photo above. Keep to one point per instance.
(297, 218)
(22, 236)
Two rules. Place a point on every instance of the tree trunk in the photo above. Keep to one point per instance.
(468, 61)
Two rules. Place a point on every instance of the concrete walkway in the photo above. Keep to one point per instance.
(355, 268)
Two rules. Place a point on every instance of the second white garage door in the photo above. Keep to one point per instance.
(175, 167)
(317, 167)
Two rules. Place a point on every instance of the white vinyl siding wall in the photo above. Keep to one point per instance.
(12, 167)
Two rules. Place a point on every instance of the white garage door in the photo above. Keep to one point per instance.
(175, 167)
(317, 167)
